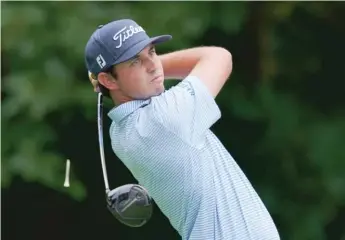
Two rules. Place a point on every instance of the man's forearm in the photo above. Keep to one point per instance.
(178, 64)
(211, 65)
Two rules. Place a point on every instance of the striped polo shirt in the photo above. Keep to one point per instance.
(167, 145)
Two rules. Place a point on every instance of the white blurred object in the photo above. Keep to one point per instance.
(68, 164)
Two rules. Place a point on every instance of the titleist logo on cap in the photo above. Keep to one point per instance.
(122, 35)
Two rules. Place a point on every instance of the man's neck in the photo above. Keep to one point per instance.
(118, 98)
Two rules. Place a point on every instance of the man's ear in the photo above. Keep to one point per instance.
(107, 81)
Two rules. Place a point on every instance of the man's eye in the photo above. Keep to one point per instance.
(135, 61)
(152, 51)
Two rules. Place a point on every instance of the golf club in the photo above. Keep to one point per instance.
(130, 204)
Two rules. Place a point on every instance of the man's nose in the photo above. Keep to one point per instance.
(151, 65)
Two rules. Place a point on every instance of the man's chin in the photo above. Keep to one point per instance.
(160, 91)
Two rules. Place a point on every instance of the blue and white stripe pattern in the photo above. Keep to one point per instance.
(166, 143)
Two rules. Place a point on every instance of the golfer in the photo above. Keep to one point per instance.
(163, 136)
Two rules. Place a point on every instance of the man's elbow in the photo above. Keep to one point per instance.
(225, 59)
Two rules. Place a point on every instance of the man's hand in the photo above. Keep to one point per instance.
(93, 81)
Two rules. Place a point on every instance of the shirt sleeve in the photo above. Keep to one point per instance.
(187, 109)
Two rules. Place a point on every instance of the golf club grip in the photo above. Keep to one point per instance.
(100, 139)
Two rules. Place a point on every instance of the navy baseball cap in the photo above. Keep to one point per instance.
(117, 42)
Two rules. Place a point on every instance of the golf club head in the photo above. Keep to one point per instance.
(130, 204)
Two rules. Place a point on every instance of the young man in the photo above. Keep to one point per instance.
(163, 136)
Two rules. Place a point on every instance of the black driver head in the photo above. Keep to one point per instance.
(130, 204)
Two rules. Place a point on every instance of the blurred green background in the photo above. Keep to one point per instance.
(283, 112)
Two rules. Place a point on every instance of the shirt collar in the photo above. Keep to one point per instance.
(118, 113)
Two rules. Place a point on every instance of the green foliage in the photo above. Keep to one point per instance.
(296, 100)
(303, 154)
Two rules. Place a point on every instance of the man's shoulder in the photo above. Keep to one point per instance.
(140, 124)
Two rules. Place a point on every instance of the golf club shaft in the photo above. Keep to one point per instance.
(100, 139)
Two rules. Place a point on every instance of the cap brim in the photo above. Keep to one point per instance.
(134, 50)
